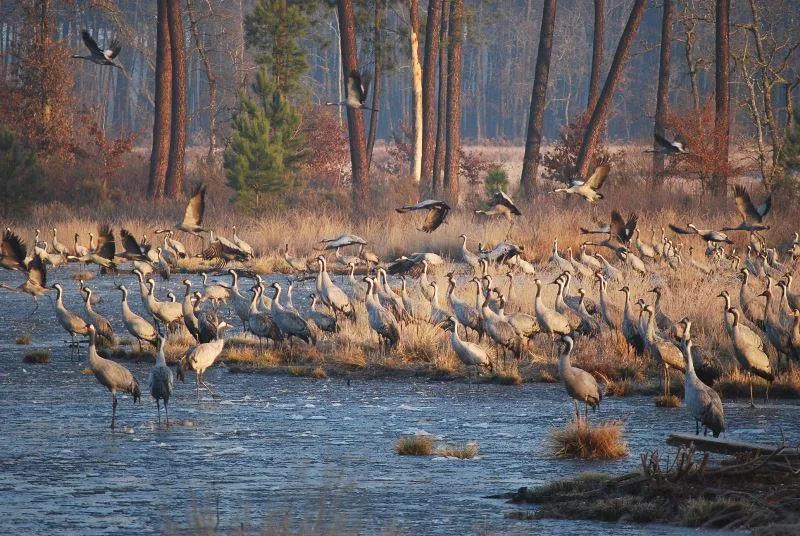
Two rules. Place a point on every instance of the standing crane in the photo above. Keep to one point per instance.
(580, 385)
(113, 376)
(702, 401)
(161, 380)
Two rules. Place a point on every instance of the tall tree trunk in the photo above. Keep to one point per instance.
(604, 102)
(719, 182)
(441, 127)
(662, 96)
(434, 26)
(416, 90)
(355, 117)
(597, 53)
(177, 141)
(538, 100)
(376, 84)
(159, 157)
(211, 77)
(453, 134)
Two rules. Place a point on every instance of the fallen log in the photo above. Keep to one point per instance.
(729, 446)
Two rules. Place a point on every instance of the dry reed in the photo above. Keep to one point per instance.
(579, 439)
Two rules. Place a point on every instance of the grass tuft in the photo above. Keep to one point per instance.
(466, 451)
(619, 388)
(547, 376)
(698, 512)
(579, 439)
(23, 340)
(37, 357)
(319, 373)
(668, 401)
(416, 445)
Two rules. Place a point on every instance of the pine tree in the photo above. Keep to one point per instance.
(20, 177)
(265, 149)
(274, 29)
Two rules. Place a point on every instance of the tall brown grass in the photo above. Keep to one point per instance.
(580, 439)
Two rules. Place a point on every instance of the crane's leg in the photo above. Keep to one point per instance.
(696, 427)
(750, 381)
(158, 408)
(766, 393)
(577, 411)
(668, 381)
(166, 411)
(113, 409)
(197, 385)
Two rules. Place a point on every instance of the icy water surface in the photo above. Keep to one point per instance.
(278, 448)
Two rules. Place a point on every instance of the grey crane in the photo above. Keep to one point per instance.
(580, 385)
(753, 308)
(610, 312)
(418, 309)
(589, 189)
(241, 305)
(113, 376)
(415, 265)
(324, 321)
(242, 245)
(201, 356)
(380, 319)
(105, 333)
(630, 325)
(192, 221)
(355, 91)
(71, 322)
(748, 210)
(215, 292)
(467, 256)
(298, 265)
(468, 316)
(187, 308)
(161, 380)
(13, 257)
(359, 292)
(289, 322)
(98, 56)
(751, 358)
(524, 324)
(668, 147)
(58, 247)
(500, 330)
(709, 235)
(470, 354)
(550, 320)
(560, 262)
(342, 241)
(135, 324)
(663, 351)
(331, 295)
(437, 212)
(260, 323)
(701, 400)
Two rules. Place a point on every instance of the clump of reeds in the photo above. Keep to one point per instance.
(416, 445)
(668, 401)
(37, 357)
(580, 439)
(619, 388)
(23, 340)
(467, 451)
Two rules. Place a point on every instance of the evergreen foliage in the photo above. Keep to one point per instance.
(20, 178)
(265, 148)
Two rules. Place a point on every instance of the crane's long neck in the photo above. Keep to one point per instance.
(651, 325)
(126, 310)
(254, 302)
(563, 359)
(161, 360)
(689, 360)
(276, 300)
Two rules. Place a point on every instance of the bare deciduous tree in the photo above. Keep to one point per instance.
(453, 134)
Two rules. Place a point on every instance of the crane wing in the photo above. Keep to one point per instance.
(744, 205)
(435, 218)
(113, 49)
(501, 198)
(680, 230)
(600, 173)
(91, 44)
(12, 251)
(422, 205)
(106, 247)
(664, 142)
(37, 272)
(193, 216)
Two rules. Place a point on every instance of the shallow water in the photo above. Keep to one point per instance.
(279, 448)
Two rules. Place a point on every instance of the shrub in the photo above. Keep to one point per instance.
(20, 176)
(496, 179)
(417, 445)
(23, 340)
(37, 357)
(466, 451)
(579, 439)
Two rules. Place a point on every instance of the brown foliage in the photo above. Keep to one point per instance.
(703, 139)
(560, 161)
(329, 153)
